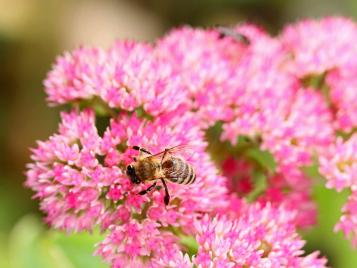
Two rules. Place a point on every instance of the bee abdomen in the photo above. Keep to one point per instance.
(179, 171)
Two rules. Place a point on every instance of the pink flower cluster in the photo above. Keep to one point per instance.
(292, 97)
(125, 76)
(261, 237)
(81, 182)
(339, 166)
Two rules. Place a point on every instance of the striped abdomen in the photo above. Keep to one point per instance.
(177, 170)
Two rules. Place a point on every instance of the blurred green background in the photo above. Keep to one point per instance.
(33, 32)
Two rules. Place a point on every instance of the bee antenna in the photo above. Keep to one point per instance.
(140, 149)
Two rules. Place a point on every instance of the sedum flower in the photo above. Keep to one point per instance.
(343, 97)
(339, 164)
(304, 130)
(125, 76)
(209, 66)
(314, 50)
(261, 237)
(169, 93)
(59, 175)
(75, 75)
(263, 90)
(239, 175)
(289, 188)
(348, 221)
(134, 239)
(80, 180)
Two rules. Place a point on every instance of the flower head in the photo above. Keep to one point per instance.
(314, 49)
(339, 164)
(81, 182)
(134, 243)
(261, 237)
(343, 83)
(263, 91)
(126, 76)
(169, 93)
(304, 130)
(208, 67)
(348, 221)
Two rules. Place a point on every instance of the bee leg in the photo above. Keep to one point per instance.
(134, 158)
(167, 195)
(140, 149)
(148, 189)
(163, 156)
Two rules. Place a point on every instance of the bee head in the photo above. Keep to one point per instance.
(130, 171)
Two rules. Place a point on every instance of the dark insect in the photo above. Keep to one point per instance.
(161, 166)
(227, 31)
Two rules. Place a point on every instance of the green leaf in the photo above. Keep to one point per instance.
(79, 248)
(141, 113)
(260, 184)
(190, 244)
(27, 247)
(263, 158)
(100, 107)
(244, 143)
(31, 245)
(4, 258)
(312, 171)
(334, 246)
(316, 81)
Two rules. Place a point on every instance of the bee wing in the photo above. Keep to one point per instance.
(186, 150)
(173, 150)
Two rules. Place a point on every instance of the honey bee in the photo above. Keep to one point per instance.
(227, 31)
(161, 166)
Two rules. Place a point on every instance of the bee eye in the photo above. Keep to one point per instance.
(129, 169)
